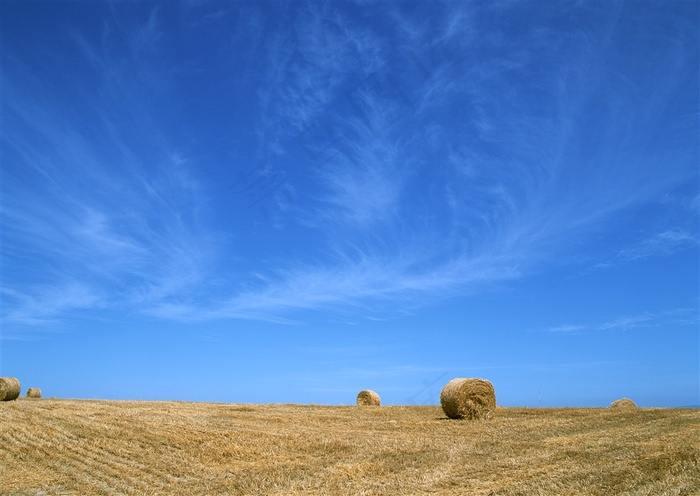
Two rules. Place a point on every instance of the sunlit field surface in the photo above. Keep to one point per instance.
(52, 447)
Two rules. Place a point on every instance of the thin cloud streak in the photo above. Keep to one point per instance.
(370, 284)
(660, 244)
(47, 305)
(624, 323)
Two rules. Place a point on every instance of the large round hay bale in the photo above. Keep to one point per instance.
(468, 399)
(33, 393)
(623, 404)
(9, 388)
(368, 398)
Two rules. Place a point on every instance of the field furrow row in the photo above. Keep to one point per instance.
(85, 461)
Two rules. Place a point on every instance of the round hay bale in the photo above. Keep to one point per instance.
(623, 404)
(468, 399)
(9, 388)
(33, 393)
(368, 398)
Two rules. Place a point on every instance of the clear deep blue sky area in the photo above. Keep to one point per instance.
(288, 201)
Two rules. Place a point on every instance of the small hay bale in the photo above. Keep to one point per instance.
(368, 398)
(468, 399)
(9, 388)
(33, 393)
(623, 404)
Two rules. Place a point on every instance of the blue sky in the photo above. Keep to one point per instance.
(292, 202)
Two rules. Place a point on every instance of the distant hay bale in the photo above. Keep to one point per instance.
(468, 399)
(9, 388)
(368, 398)
(623, 404)
(33, 393)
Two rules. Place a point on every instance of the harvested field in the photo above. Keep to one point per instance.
(71, 447)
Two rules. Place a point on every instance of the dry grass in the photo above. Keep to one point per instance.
(72, 447)
(368, 397)
(468, 399)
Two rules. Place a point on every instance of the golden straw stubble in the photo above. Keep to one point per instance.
(368, 397)
(468, 399)
(9, 388)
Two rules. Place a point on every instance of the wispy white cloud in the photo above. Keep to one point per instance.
(660, 244)
(365, 184)
(674, 317)
(317, 65)
(93, 215)
(566, 329)
(48, 304)
(629, 322)
(510, 196)
(310, 65)
(369, 285)
(81, 212)
(418, 162)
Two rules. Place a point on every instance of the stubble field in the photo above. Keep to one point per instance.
(62, 447)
